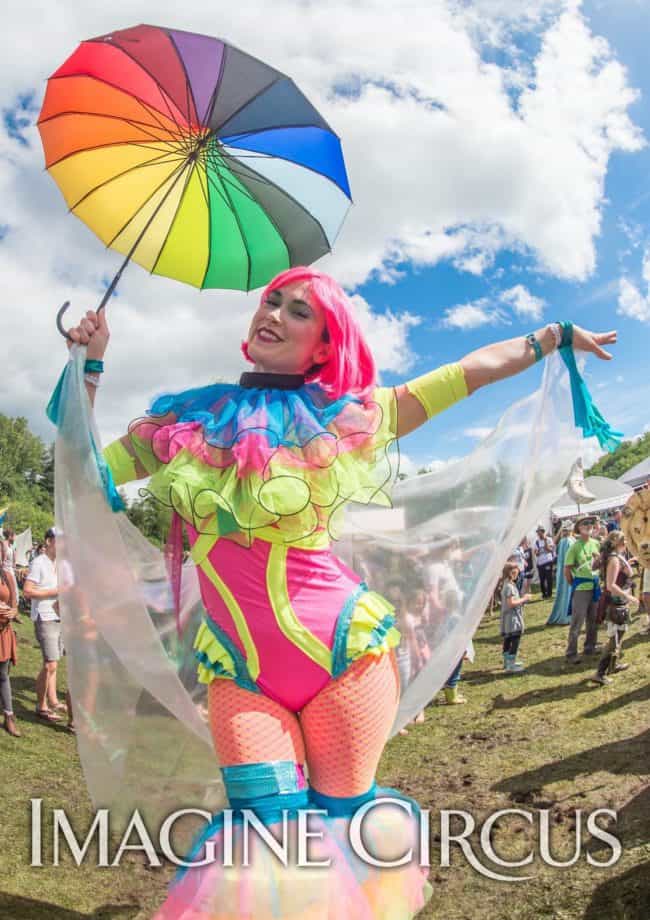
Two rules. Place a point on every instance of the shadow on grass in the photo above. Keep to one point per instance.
(542, 697)
(630, 827)
(551, 667)
(19, 908)
(625, 897)
(626, 756)
(640, 695)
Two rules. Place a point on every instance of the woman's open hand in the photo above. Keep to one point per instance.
(583, 340)
(93, 332)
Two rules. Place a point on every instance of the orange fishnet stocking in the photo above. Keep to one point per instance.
(347, 724)
(248, 727)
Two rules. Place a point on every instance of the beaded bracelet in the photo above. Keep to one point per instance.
(92, 379)
(93, 366)
(534, 344)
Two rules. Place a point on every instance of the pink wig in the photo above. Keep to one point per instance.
(350, 367)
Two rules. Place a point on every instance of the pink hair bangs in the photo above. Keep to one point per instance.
(350, 367)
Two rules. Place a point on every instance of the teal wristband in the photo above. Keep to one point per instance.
(93, 366)
(534, 344)
(567, 334)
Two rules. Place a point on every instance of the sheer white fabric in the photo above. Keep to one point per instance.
(142, 735)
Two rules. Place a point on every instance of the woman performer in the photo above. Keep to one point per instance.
(298, 653)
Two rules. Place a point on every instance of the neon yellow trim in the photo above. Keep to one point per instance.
(385, 397)
(203, 544)
(290, 625)
(439, 389)
(145, 454)
(120, 463)
(319, 540)
(252, 658)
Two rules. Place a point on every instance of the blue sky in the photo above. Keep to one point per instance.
(498, 158)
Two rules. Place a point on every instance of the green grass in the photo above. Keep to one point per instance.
(543, 740)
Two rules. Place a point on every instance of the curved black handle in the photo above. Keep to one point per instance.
(59, 323)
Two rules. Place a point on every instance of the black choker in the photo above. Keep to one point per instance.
(254, 380)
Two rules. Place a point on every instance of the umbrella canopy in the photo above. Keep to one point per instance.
(192, 158)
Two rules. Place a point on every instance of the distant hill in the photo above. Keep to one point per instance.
(623, 459)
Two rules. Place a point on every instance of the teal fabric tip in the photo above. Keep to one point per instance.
(113, 497)
(54, 411)
(54, 406)
(586, 415)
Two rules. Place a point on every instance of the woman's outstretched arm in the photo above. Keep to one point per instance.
(486, 365)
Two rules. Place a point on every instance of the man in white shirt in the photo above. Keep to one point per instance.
(41, 587)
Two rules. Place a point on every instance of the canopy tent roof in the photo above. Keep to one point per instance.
(610, 494)
(638, 475)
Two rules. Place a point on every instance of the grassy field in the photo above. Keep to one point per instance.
(545, 740)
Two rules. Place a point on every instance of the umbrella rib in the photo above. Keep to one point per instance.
(266, 181)
(140, 145)
(163, 93)
(252, 99)
(154, 162)
(173, 221)
(204, 191)
(188, 86)
(149, 109)
(239, 227)
(275, 156)
(249, 193)
(179, 170)
(170, 139)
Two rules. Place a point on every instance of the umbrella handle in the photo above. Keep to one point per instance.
(59, 324)
(64, 307)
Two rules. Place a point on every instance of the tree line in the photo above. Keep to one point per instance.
(27, 481)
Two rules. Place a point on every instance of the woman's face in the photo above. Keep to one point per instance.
(286, 332)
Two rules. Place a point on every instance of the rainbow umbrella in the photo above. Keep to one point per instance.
(192, 158)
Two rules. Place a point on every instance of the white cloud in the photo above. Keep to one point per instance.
(632, 302)
(472, 315)
(387, 335)
(523, 302)
(488, 311)
(481, 170)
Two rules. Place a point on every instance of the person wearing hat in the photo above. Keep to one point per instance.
(545, 554)
(41, 588)
(561, 613)
(585, 587)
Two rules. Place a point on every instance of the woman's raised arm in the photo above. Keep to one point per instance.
(418, 400)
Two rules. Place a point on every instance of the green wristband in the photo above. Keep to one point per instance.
(534, 344)
(93, 366)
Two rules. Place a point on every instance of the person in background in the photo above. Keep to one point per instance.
(585, 588)
(615, 522)
(545, 554)
(41, 587)
(645, 600)
(616, 573)
(8, 561)
(561, 613)
(529, 565)
(520, 558)
(8, 655)
(512, 617)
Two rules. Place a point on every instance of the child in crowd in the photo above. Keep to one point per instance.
(512, 617)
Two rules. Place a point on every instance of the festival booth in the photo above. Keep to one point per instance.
(638, 476)
(610, 495)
